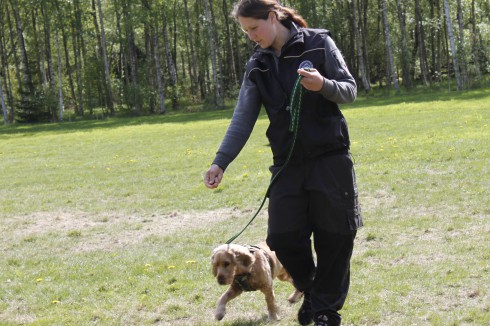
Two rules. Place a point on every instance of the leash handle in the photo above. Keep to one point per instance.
(294, 111)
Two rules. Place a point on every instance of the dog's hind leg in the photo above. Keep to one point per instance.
(295, 296)
(230, 294)
(271, 304)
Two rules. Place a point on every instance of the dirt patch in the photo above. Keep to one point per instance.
(106, 231)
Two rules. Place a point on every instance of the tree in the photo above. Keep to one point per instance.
(420, 42)
(107, 76)
(357, 41)
(462, 56)
(405, 54)
(450, 33)
(213, 46)
(4, 107)
(194, 73)
(389, 51)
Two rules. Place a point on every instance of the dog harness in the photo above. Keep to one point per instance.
(242, 280)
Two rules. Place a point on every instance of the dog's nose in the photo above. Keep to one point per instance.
(221, 280)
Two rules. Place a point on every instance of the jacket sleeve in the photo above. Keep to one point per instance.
(242, 123)
(338, 84)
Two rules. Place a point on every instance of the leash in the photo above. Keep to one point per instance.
(294, 109)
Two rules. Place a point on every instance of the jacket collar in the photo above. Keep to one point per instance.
(296, 36)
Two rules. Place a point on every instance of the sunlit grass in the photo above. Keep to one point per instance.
(108, 222)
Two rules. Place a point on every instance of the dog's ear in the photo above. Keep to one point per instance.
(244, 259)
(213, 263)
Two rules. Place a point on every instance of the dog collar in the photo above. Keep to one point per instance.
(243, 283)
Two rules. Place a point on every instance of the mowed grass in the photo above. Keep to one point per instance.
(108, 222)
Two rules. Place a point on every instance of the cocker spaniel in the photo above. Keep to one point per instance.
(248, 268)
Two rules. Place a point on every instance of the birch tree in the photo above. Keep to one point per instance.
(106, 62)
(389, 51)
(60, 78)
(420, 38)
(214, 54)
(170, 62)
(405, 54)
(357, 41)
(464, 73)
(4, 107)
(194, 73)
(447, 11)
(27, 88)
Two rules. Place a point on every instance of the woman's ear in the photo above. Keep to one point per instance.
(272, 16)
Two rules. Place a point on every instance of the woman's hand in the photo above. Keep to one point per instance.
(213, 176)
(312, 80)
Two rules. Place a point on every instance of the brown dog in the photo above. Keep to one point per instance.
(248, 268)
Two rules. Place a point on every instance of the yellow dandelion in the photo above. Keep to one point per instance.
(148, 265)
(55, 301)
(171, 267)
(190, 262)
(39, 280)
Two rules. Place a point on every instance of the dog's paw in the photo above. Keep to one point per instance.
(295, 296)
(273, 317)
(219, 314)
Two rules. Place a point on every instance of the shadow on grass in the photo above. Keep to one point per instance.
(249, 322)
(420, 95)
(115, 122)
(375, 99)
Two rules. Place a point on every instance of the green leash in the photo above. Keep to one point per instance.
(294, 110)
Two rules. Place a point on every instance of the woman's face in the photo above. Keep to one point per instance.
(260, 31)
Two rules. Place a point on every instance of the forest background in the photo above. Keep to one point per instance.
(70, 59)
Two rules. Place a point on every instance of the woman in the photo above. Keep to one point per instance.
(316, 193)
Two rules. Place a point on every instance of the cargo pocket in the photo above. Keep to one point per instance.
(351, 205)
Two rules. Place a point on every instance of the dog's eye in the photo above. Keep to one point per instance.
(226, 263)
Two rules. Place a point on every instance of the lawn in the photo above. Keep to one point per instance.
(107, 222)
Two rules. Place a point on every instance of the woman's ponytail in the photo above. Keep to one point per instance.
(294, 16)
(260, 9)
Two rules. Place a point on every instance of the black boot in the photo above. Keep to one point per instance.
(325, 320)
(305, 314)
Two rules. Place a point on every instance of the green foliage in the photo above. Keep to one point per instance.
(130, 26)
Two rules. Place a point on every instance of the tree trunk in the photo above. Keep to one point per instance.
(424, 71)
(161, 95)
(230, 56)
(213, 49)
(475, 52)
(454, 53)
(194, 76)
(60, 78)
(49, 61)
(27, 89)
(462, 57)
(5, 72)
(170, 64)
(4, 108)
(364, 36)
(39, 44)
(357, 40)
(106, 62)
(77, 45)
(405, 54)
(389, 50)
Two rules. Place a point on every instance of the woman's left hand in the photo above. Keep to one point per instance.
(312, 80)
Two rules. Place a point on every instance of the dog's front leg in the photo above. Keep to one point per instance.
(230, 294)
(271, 304)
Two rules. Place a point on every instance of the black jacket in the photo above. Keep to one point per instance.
(269, 81)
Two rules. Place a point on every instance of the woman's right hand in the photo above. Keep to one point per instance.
(213, 176)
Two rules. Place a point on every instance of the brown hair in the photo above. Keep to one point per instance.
(260, 9)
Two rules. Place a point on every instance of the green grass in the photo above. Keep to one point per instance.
(108, 222)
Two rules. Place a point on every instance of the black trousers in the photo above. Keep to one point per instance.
(317, 198)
